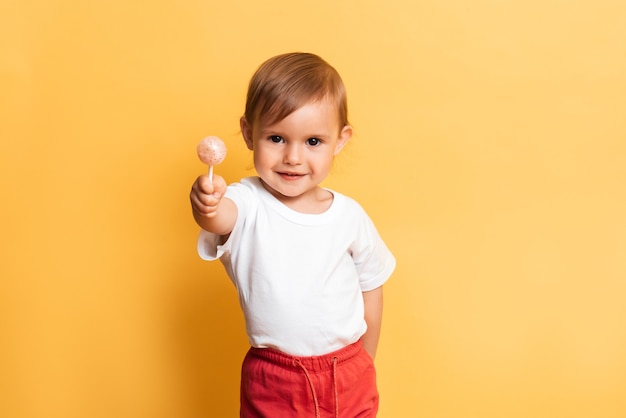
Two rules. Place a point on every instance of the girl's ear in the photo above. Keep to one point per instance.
(344, 137)
(246, 131)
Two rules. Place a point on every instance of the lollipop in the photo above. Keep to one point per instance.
(211, 151)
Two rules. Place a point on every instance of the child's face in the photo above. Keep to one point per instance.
(294, 155)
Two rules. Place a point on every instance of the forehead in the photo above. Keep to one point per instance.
(276, 101)
(319, 114)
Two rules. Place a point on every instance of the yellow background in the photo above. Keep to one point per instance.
(490, 150)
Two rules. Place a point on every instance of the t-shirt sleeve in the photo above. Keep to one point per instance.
(208, 244)
(374, 261)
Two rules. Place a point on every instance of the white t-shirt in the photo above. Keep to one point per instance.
(300, 277)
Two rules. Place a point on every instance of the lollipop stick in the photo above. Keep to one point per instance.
(211, 173)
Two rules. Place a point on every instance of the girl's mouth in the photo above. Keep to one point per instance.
(290, 176)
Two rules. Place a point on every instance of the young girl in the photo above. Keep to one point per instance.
(307, 261)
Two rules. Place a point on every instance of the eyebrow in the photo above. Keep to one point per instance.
(270, 132)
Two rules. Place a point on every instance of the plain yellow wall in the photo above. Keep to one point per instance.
(490, 150)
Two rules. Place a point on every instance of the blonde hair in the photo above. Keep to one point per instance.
(284, 83)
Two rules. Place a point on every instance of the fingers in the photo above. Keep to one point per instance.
(206, 195)
(217, 187)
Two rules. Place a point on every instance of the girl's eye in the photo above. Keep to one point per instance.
(313, 141)
(276, 139)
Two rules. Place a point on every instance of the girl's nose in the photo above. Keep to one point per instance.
(293, 154)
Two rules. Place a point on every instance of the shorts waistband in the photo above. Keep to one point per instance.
(312, 364)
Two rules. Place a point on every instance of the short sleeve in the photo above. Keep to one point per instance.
(374, 261)
(209, 247)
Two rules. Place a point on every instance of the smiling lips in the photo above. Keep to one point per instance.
(290, 176)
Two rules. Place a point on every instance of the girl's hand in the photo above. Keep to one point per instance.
(205, 196)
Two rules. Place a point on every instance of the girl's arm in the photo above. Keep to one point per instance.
(373, 301)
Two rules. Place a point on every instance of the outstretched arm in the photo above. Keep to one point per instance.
(373, 301)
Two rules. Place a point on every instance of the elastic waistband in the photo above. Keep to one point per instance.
(313, 364)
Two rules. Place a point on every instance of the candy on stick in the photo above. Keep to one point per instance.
(211, 151)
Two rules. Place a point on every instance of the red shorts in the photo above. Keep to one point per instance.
(340, 384)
